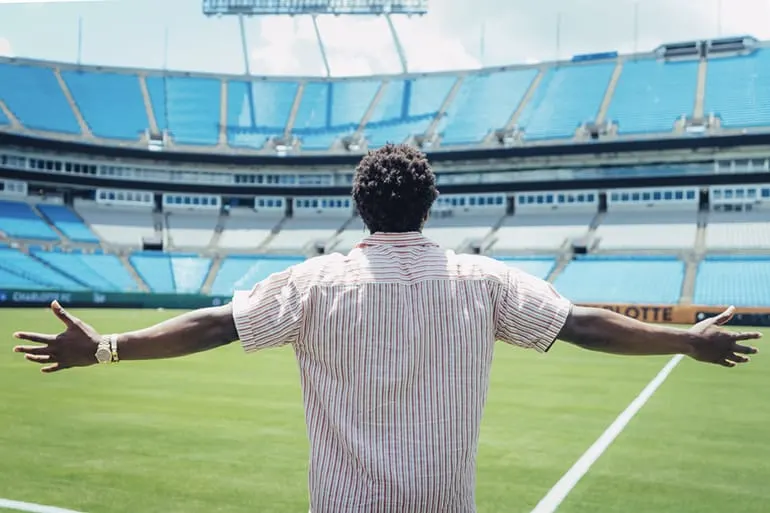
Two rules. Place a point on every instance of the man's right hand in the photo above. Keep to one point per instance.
(713, 344)
(74, 347)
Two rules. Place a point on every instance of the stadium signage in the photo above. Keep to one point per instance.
(40, 297)
(644, 312)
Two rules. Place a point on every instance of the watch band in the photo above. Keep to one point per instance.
(114, 348)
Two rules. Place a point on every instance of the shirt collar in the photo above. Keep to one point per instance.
(396, 239)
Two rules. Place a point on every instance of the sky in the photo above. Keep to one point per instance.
(456, 34)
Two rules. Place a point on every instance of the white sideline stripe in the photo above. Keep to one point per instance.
(560, 490)
(32, 508)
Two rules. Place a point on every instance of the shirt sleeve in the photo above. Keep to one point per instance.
(270, 314)
(530, 313)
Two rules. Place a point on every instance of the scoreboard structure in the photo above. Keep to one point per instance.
(314, 7)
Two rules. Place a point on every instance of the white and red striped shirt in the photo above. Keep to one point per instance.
(394, 343)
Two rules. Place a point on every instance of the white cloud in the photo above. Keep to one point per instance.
(5, 47)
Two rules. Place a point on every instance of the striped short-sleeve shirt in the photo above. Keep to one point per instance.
(394, 342)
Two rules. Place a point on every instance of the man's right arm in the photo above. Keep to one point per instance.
(598, 329)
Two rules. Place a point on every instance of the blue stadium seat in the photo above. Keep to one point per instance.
(111, 103)
(155, 270)
(650, 95)
(33, 274)
(68, 223)
(272, 104)
(243, 272)
(189, 273)
(111, 268)
(627, 280)
(733, 280)
(330, 110)
(406, 108)
(4, 119)
(567, 97)
(738, 90)
(540, 267)
(484, 102)
(191, 107)
(73, 264)
(33, 95)
(20, 221)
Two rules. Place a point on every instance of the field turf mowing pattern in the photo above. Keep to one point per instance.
(224, 432)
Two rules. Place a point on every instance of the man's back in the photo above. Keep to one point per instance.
(395, 344)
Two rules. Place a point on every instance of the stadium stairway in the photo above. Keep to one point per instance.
(601, 116)
(15, 125)
(216, 264)
(222, 137)
(370, 110)
(562, 262)
(520, 108)
(700, 90)
(690, 275)
(218, 229)
(50, 223)
(294, 110)
(135, 275)
(153, 121)
(450, 97)
(84, 128)
(57, 270)
(277, 228)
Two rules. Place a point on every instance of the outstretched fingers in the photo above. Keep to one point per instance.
(40, 338)
(725, 317)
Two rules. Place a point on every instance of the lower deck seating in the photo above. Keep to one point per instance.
(629, 280)
(168, 274)
(243, 272)
(733, 280)
(18, 220)
(539, 267)
(189, 273)
(648, 229)
(74, 265)
(738, 230)
(18, 270)
(524, 232)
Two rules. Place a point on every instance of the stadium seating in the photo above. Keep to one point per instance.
(346, 240)
(4, 119)
(738, 90)
(407, 107)
(627, 280)
(243, 272)
(190, 106)
(68, 223)
(272, 104)
(484, 102)
(111, 268)
(649, 228)
(189, 273)
(155, 270)
(33, 95)
(540, 267)
(75, 265)
(738, 230)
(567, 97)
(25, 272)
(329, 110)
(733, 280)
(298, 234)
(245, 229)
(650, 95)
(18, 220)
(111, 103)
(123, 226)
(524, 232)
(455, 232)
(191, 229)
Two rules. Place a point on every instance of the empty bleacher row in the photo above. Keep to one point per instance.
(638, 94)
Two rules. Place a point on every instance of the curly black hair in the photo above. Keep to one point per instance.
(394, 188)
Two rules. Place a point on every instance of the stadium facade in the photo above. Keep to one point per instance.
(633, 181)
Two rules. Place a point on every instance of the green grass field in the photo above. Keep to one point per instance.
(224, 432)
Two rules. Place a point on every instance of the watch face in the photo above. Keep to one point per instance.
(103, 355)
